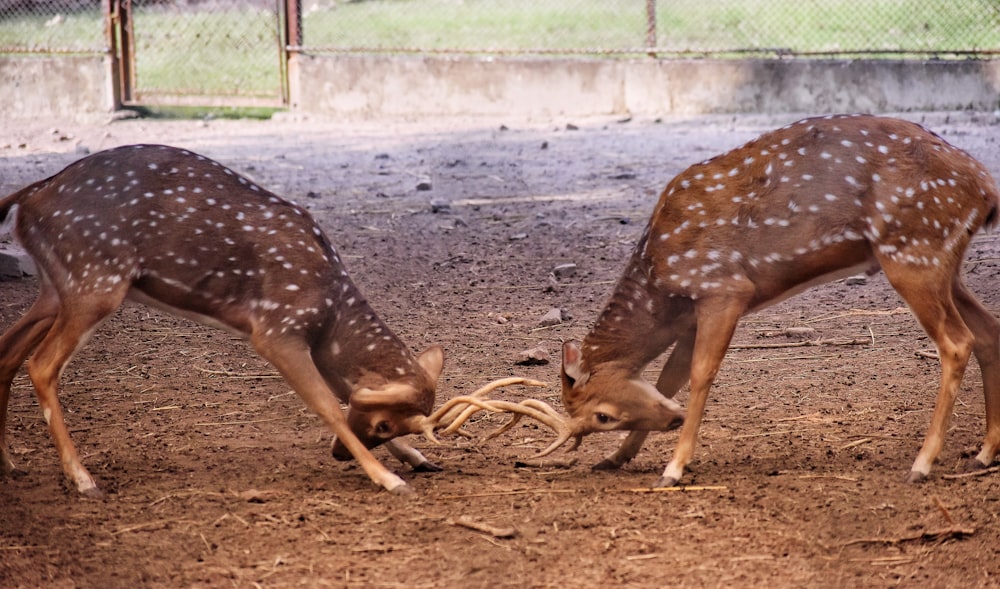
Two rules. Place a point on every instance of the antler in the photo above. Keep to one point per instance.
(453, 414)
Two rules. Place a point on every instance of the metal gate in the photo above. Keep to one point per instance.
(200, 52)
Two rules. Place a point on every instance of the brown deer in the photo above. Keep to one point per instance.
(179, 232)
(814, 201)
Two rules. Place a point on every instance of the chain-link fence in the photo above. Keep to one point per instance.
(918, 28)
(52, 26)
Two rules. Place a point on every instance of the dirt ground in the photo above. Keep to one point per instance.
(217, 476)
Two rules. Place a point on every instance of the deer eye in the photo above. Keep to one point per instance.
(602, 418)
(383, 428)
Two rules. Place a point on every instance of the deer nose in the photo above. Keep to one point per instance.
(340, 451)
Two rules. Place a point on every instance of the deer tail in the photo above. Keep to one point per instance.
(9, 203)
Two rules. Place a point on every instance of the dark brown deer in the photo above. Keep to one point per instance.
(817, 200)
(179, 232)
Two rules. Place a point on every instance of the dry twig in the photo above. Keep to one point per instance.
(496, 532)
(803, 344)
(679, 489)
(977, 473)
(927, 536)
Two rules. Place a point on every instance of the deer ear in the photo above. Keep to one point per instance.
(394, 394)
(572, 364)
(432, 360)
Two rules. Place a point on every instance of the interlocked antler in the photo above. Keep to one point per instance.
(453, 414)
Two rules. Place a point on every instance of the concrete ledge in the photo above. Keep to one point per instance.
(15, 262)
(63, 87)
(80, 87)
(373, 86)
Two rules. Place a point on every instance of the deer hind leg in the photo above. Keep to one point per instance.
(986, 330)
(293, 359)
(717, 320)
(673, 377)
(72, 328)
(930, 298)
(16, 345)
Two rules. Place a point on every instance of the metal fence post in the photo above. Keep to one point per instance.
(651, 27)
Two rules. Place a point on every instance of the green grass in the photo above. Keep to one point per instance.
(217, 52)
(82, 32)
(925, 26)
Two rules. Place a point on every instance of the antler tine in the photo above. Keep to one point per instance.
(516, 417)
(450, 417)
(458, 410)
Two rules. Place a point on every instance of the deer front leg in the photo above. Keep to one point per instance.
(931, 298)
(716, 324)
(407, 454)
(673, 377)
(293, 359)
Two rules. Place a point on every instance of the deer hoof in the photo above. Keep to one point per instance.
(915, 476)
(92, 493)
(403, 490)
(665, 482)
(427, 467)
(973, 465)
(606, 464)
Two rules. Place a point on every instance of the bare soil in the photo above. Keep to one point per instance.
(217, 476)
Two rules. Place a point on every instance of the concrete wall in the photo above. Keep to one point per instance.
(80, 87)
(374, 86)
(62, 87)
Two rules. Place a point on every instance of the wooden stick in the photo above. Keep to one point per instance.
(952, 532)
(504, 493)
(465, 522)
(803, 344)
(679, 489)
(977, 473)
(944, 511)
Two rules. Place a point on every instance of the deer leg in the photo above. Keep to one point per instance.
(717, 322)
(407, 454)
(673, 377)
(986, 329)
(936, 311)
(293, 359)
(16, 345)
(72, 328)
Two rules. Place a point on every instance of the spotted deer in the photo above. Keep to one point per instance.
(817, 200)
(179, 232)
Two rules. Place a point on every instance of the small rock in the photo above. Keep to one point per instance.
(804, 332)
(858, 280)
(440, 206)
(518, 236)
(553, 317)
(537, 356)
(424, 186)
(572, 127)
(564, 271)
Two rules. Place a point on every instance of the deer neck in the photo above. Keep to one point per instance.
(638, 322)
(359, 350)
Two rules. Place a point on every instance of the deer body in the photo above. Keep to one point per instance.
(817, 200)
(182, 233)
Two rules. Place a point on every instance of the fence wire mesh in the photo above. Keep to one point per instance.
(660, 27)
(216, 47)
(51, 26)
(918, 28)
